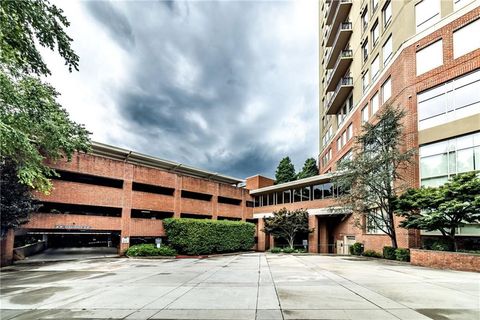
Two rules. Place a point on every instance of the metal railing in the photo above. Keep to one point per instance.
(345, 81)
(343, 54)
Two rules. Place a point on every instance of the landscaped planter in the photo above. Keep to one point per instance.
(445, 260)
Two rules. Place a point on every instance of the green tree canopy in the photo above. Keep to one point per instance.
(285, 171)
(373, 179)
(444, 208)
(309, 169)
(287, 224)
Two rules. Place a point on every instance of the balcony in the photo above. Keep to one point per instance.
(331, 11)
(341, 14)
(339, 69)
(341, 40)
(343, 89)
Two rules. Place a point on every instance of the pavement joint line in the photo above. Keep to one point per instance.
(275, 287)
(348, 280)
(258, 286)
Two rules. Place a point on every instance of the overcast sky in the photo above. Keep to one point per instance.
(225, 86)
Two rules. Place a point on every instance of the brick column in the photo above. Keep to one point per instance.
(177, 204)
(323, 235)
(262, 237)
(313, 237)
(6, 248)
(215, 202)
(126, 208)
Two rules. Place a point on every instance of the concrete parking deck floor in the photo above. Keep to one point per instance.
(247, 286)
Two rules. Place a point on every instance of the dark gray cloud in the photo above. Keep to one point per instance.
(213, 84)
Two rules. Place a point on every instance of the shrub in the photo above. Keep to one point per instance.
(389, 253)
(300, 250)
(276, 250)
(441, 246)
(356, 249)
(145, 250)
(372, 253)
(288, 250)
(402, 254)
(202, 236)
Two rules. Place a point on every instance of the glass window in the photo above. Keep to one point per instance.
(256, 201)
(364, 20)
(374, 5)
(429, 57)
(465, 160)
(387, 90)
(365, 81)
(375, 223)
(434, 166)
(427, 13)
(466, 39)
(264, 200)
(271, 201)
(287, 196)
(457, 4)
(375, 33)
(339, 143)
(297, 195)
(279, 197)
(375, 67)
(305, 193)
(350, 131)
(365, 115)
(317, 192)
(387, 50)
(374, 103)
(365, 50)
(327, 190)
(387, 13)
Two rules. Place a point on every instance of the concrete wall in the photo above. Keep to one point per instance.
(28, 250)
(445, 260)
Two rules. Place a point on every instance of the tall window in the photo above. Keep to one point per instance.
(375, 223)
(387, 50)
(339, 143)
(450, 101)
(466, 39)
(364, 20)
(374, 5)
(440, 160)
(429, 57)
(375, 67)
(350, 131)
(386, 90)
(387, 13)
(374, 103)
(365, 115)
(375, 33)
(365, 81)
(427, 13)
(365, 50)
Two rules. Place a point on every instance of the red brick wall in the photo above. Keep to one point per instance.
(445, 260)
(50, 220)
(257, 182)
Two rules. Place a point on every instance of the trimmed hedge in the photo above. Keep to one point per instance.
(356, 249)
(146, 250)
(402, 254)
(389, 253)
(372, 253)
(204, 236)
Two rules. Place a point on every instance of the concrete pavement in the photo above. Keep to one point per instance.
(247, 286)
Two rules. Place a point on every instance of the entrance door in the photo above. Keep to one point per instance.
(348, 241)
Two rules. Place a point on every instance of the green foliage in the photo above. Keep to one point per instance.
(22, 24)
(276, 250)
(202, 236)
(309, 169)
(288, 250)
(372, 253)
(16, 200)
(444, 208)
(356, 249)
(389, 253)
(402, 254)
(287, 224)
(146, 250)
(373, 178)
(285, 171)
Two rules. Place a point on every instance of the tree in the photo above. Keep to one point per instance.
(287, 224)
(309, 169)
(443, 208)
(370, 183)
(285, 171)
(34, 128)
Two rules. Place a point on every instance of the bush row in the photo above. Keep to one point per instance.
(204, 236)
(145, 250)
(390, 253)
(286, 250)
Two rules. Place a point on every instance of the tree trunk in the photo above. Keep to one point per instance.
(290, 241)
(393, 233)
(453, 239)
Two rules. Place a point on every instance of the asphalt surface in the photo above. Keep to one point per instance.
(247, 286)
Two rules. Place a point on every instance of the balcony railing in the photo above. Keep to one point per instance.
(345, 81)
(344, 26)
(343, 54)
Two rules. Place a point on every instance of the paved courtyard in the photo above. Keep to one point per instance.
(247, 286)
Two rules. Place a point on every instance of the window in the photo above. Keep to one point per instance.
(440, 160)
(365, 81)
(375, 223)
(374, 5)
(364, 20)
(386, 90)
(374, 103)
(317, 192)
(375, 68)
(427, 13)
(279, 196)
(350, 131)
(466, 39)
(387, 50)
(450, 101)
(457, 4)
(297, 195)
(339, 143)
(344, 137)
(429, 57)
(365, 50)
(287, 196)
(365, 115)
(387, 13)
(374, 33)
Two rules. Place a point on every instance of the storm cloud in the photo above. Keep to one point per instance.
(226, 86)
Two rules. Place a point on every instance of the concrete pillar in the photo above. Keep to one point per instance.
(271, 242)
(6, 248)
(313, 236)
(262, 237)
(323, 236)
